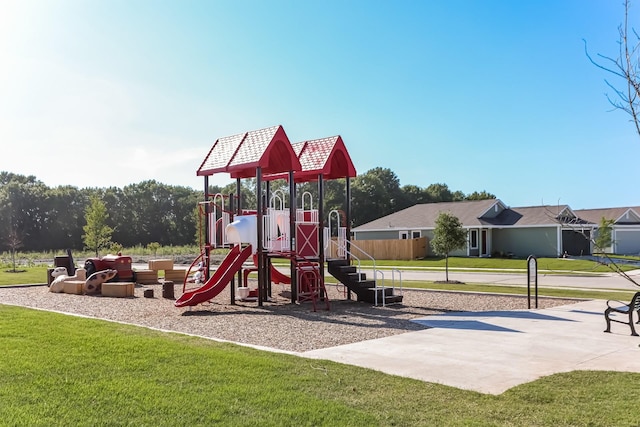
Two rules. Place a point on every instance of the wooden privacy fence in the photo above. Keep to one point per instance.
(405, 249)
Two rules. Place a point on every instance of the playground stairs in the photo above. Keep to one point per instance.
(365, 289)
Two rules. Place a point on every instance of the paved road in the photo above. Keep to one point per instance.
(604, 281)
(601, 281)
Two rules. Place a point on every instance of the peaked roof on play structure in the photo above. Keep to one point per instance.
(326, 156)
(240, 155)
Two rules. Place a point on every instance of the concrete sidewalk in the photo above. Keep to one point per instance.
(490, 352)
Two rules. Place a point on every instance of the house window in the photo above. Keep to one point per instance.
(404, 235)
(473, 239)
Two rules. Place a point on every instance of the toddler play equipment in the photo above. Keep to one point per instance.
(62, 282)
(93, 284)
(283, 225)
(120, 263)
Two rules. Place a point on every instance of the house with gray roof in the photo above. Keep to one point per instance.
(497, 229)
(626, 227)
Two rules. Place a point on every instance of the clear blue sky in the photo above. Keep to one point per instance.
(480, 95)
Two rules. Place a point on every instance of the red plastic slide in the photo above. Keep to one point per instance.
(276, 275)
(229, 266)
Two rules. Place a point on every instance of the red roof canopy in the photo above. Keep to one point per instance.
(326, 156)
(240, 155)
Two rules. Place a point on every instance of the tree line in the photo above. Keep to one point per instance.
(36, 217)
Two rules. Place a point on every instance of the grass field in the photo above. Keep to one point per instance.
(57, 370)
(23, 275)
(60, 370)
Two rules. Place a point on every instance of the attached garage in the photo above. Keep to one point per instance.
(576, 243)
(626, 227)
(627, 241)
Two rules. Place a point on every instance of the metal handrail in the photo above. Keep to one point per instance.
(351, 244)
(375, 298)
(382, 286)
(353, 256)
(393, 279)
(375, 271)
(359, 268)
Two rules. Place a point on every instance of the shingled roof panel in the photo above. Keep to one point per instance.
(424, 215)
(616, 214)
(469, 213)
(221, 154)
(316, 153)
(327, 156)
(240, 155)
(253, 147)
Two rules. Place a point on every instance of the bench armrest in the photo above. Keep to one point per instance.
(620, 305)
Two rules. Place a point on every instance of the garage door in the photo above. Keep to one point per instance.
(627, 242)
(576, 243)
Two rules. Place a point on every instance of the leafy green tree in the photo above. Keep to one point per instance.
(439, 193)
(312, 189)
(457, 196)
(23, 202)
(151, 213)
(153, 247)
(115, 248)
(123, 214)
(603, 238)
(414, 195)
(54, 218)
(247, 193)
(199, 219)
(334, 195)
(375, 193)
(483, 195)
(182, 202)
(65, 211)
(280, 187)
(448, 236)
(97, 234)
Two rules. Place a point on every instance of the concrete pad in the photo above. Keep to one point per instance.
(490, 352)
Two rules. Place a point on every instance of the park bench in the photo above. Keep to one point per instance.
(623, 308)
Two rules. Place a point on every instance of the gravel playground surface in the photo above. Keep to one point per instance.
(278, 324)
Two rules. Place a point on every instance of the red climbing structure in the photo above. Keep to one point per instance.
(276, 227)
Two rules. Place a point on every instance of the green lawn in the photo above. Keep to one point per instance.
(58, 370)
(23, 275)
(560, 265)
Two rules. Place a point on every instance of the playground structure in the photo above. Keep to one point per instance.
(122, 265)
(283, 225)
